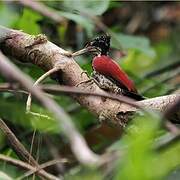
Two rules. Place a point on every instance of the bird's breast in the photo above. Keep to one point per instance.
(101, 64)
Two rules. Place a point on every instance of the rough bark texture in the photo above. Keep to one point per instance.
(39, 51)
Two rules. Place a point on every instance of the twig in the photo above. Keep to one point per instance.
(173, 89)
(174, 134)
(16, 145)
(77, 142)
(48, 73)
(172, 128)
(16, 162)
(166, 141)
(164, 69)
(75, 90)
(56, 89)
(21, 150)
(143, 105)
(42, 166)
(21, 164)
(163, 80)
(175, 107)
(153, 103)
(44, 10)
(7, 87)
(55, 154)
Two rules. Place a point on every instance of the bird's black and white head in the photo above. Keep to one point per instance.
(99, 45)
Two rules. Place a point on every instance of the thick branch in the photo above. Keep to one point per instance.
(46, 55)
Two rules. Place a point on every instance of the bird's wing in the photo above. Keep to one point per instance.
(118, 74)
(106, 66)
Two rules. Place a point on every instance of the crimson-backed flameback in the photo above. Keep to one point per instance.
(107, 74)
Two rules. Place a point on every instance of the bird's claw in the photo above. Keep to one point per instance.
(85, 72)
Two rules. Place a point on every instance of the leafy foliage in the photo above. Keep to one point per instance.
(141, 44)
(87, 24)
(8, 15)
(88, 7)
(139, 158)
(28, 22)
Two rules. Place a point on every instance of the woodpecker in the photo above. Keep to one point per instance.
(107, 74)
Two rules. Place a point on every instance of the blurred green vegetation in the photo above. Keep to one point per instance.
(145, 53)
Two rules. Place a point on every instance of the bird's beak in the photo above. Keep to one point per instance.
(85, 50)
(80, 52)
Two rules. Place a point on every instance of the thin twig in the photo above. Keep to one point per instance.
(22, 164)
(161, 80)
(173, 89)
(7, 87)
(56, 89)
(174, 134)
(40, 79)
(172, 128)
(42, 166)
(21, 150)
(164, 69)
(166, 141)
(74, 90)
(44, 10)
(16, 145)
(32, 142)
(55, 154)
(175, 107)
(16, 162)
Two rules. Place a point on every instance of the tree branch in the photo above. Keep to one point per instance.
(39, 51)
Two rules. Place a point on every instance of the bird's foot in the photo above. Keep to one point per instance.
(90, 80)
(85, 72)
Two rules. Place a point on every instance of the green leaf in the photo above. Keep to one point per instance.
(28, 22)
(89, 7)
(4, 176)
(139, 43)
(8, 15)
(43, 121)
(84, 22)
(138, 155)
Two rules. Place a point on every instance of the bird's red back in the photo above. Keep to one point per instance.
(106, 66)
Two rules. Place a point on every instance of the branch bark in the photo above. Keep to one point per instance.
(39, 51)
